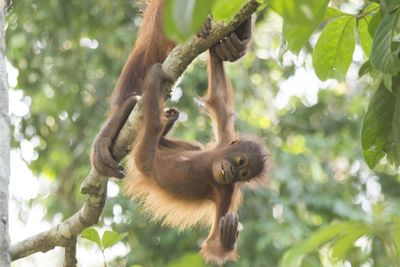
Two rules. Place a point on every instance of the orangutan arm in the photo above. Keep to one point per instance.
(220, 100)
(220, 245)
(102, 159)
(220, 95)
(154, 125)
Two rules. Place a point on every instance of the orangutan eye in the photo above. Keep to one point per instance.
(244, 173)
(241, 161)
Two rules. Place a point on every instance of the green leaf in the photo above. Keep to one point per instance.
(382, 56)
(363, 33)
(374, 23)
(396, 236)
(183, 18)
(294, 256)
(110, 238)
(365, 68)
(226, 9)
(387, 81)
(92, 235)
(305, 11)
(392, 4)
(332, 13)
(369, 18)
(371, 9)
(345, 243)
(380, 129)
(296, 35)
(334, 50)
(263, 4)
(393, 146)
(301, 17)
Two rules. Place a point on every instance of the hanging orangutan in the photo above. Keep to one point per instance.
(178, 182)
(182, 184)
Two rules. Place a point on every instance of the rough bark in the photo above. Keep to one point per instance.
(95, 186)
(4, 147)
(70, 254)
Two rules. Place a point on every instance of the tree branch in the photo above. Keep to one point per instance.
(70, 254)
(95, 186)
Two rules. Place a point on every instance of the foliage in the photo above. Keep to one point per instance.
(339, 239)
(184, 17)
(301, 19)
(322, 205)
(108, 239)
(333, 53)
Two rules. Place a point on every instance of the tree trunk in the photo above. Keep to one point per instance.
(4, 147)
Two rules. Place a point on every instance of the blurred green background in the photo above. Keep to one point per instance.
(68, 55)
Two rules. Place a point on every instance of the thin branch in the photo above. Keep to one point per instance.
(95, 186)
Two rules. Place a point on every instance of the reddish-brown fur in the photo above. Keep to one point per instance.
(151, 47)
(176, 181)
